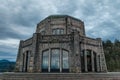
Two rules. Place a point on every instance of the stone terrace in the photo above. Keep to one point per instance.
(62, 76)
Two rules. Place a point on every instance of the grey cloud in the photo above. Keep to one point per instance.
(17, 17)
(67, 7)
(106, 30)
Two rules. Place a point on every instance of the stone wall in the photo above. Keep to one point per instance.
(73, 40)
(61, 76)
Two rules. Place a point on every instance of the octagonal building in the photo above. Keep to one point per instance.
(60, 45)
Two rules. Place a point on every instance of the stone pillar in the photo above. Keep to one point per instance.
(35, 51)
(19, 63)
(23, 62)
(92, 58)
(28, 63)
(60, 59)
(99, 66)
(85, 60)
(24, 67)
(77, 52)
(49, 62)
(71, 54)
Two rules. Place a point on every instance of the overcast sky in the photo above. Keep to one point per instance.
(18, 19)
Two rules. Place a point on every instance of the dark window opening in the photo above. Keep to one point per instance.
(82, 62)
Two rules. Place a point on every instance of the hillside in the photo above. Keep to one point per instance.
(6, 66)
(112, 55)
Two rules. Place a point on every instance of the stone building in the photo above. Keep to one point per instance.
(60, 45)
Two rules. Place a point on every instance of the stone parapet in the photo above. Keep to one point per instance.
(61, 76)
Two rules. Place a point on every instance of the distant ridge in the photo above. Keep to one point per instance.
(6, 66)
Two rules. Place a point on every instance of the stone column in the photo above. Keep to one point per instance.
(28, 63)
(35, 51)
(92, 58)
(60, 60)
(49, 62)
(77, 52)
(23, 61)
(24, 67)
(71, 54)
(19, 63)
(85, 60)
(98, 63)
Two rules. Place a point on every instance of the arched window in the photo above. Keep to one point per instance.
(55, 60)
(65, 64)
(88, 61)
(58, 31)
(25, 61)
(45, 59)
(58, 60)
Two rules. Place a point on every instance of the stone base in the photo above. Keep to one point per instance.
(61, 76)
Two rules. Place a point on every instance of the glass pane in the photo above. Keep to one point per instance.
(62, 31)
(45, 58)
(65, 60)
(58, 31)
(53, 31)
(55, 59)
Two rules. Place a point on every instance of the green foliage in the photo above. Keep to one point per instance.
(6, 66)
(112, 54)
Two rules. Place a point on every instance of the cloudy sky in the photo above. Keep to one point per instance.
(18, 19)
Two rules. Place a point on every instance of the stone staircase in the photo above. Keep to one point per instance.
(61, 76)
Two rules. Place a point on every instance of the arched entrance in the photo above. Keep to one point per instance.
(88, 61)
(25, 62)
(55, 60)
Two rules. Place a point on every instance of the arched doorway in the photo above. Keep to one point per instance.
(55, 60)
(25, 62)
(95, 61)
(88, 61)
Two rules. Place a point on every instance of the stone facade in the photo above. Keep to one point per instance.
(64, 35)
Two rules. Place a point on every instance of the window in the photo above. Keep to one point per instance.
(65, 64)
(58, 31)
(56, 62)
(45, 60)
